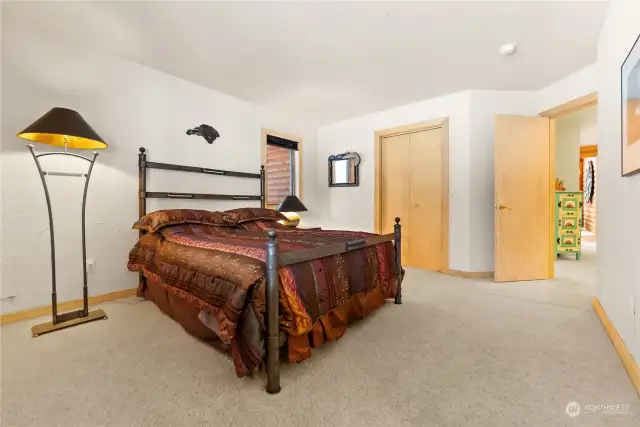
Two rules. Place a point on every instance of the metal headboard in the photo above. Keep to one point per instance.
(143, 194)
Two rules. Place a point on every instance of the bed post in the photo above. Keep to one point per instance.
(273, 323)
(142, 184)
(263, 201)
(142, 201)
(397, 234)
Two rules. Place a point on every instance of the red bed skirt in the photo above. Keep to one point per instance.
(329, 327)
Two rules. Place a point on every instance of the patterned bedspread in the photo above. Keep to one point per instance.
(222, 270)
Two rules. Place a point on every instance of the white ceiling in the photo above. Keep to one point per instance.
(335, 60)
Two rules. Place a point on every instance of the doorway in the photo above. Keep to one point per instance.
(412, 182)
(539, 193)
(576, 171)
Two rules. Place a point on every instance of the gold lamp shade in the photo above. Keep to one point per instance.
(62, 126)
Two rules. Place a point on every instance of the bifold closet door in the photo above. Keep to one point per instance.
(425, 200)
(411, 188)
(394, 191)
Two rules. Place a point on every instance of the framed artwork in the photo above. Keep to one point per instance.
(630, 79)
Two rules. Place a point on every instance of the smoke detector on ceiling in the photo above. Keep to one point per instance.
(507, 49)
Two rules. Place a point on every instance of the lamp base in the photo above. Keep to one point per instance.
(293, 219)
(68, 319)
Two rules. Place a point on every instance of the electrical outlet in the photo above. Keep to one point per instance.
(91, 266)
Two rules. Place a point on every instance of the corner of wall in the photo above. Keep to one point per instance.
(484, 105)
(578, 84)
(1, 145)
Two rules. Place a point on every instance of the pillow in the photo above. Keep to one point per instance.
(252, 214)
(163, 218)
(261, 225)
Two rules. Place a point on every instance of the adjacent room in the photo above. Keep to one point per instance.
(371, 213)
(576, 169)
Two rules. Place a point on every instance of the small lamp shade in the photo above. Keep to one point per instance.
(62, 125)
(291, 204)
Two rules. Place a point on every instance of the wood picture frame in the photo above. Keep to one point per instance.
(630, 111)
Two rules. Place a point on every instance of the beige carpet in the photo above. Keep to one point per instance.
(459, 352)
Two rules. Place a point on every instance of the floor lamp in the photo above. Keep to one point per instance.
(66, 128)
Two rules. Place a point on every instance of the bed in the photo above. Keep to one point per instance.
(247, 285)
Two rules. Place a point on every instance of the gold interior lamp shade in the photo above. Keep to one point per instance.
(63, 127)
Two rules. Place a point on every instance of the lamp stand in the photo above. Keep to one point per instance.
(72, 318)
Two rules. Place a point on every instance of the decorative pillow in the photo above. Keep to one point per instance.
(252, 214)
(261, 225)
(163, 218)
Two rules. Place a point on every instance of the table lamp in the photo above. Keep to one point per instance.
(66, 128)
(290, 207)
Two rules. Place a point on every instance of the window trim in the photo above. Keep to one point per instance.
(298, 167)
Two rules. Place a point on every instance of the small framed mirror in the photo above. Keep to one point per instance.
(343, 170)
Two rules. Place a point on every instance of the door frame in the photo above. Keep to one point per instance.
(560, 110)
(441, 123)
(571, 106)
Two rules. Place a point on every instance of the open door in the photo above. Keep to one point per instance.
(524, 183)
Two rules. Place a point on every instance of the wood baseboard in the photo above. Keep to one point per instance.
(625, 356)
(470, 274)
(34, 313)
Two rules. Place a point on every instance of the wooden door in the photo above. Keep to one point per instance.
(394, 188)
(523, 190)
(425, 200)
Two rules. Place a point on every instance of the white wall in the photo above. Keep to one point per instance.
(129, 106)
(581, 83)
(619, 198)
(352, 207)
(1, 115)
(572, 131)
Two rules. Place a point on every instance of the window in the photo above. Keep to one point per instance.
(279, 174)
(282, 157)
